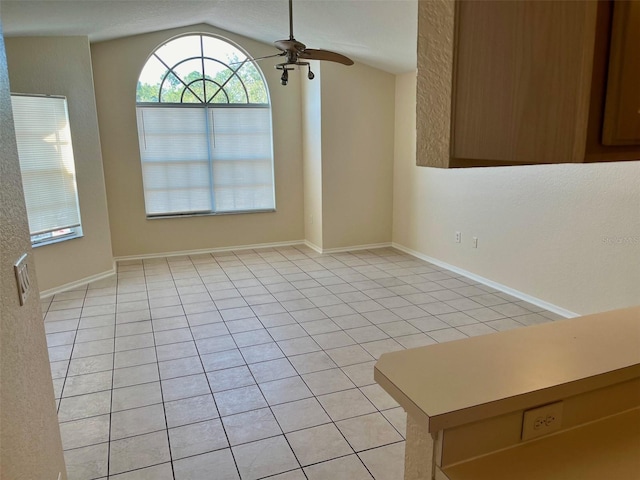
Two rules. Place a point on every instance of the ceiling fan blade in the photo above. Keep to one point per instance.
(314, 54)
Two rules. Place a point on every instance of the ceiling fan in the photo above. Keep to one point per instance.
(296, 52)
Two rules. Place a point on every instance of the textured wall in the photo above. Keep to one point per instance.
(116, 66)
(30, 446)
(357, 155)
(62, 66)
(567, 234)
(435, 62)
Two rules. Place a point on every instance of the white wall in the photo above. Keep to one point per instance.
(312, 156)
(117, 65)
(62, 66)
(567, 234)
(29, 433)
(357, 155)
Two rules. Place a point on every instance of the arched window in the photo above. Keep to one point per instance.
(204, 125)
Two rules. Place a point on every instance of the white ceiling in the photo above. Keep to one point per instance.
(380, 33)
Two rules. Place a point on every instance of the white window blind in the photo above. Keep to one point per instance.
(46, 162)
(206, 159)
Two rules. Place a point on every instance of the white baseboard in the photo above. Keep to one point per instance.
(354, 248)
(313, 246)
(357, 247)
(485, 281)
(78, 283)
(210, 250)
(490, 283)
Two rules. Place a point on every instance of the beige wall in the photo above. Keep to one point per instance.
(30, 445)
(566, 234)
(357, 155)
(312, 156)
(62, 66)
(117, 65)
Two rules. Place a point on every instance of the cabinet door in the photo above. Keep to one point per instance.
(622, 108)
(522, 77)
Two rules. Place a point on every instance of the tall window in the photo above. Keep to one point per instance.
(204, 125)
(47, 166)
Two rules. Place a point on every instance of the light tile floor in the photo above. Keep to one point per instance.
(252, 364)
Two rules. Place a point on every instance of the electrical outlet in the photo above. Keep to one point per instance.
(475, 242)
(542, 421)
(458, 237)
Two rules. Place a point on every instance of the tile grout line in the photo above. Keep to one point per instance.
(209, 382)
(262, 393)
(286, 439)
(264, 398)
(358, 271)
(113, 370)
(314, 396)
(73, 346)
(157, 362)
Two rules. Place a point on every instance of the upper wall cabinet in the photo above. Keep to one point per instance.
(622, 108)
(528, 82)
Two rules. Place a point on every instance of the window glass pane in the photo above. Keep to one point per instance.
(220, 95)
(235, 90)
(254, 83)
(242, 159)
(194, 93)
(178, 49)
(215, 93)
(46, 162)
(219, 74)
(221, 50)
(169, 202)
(216, 71)
(174, 149)
(171, 89)
(251, 124)
(166, 202)
(244, 198)
(179, 134)
(189, 71)
(149, 81)
(198, 155)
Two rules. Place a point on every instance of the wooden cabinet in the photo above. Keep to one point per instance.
(613, 38)
(529, 81)
(521, 81)
(622, 107)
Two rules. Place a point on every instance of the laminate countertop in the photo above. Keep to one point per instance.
(459, 382)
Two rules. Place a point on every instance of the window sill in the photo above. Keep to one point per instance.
(57, 240)
(207, 214)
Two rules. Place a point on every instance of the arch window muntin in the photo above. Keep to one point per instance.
(235, 73)
(203, 79)
(213, 104)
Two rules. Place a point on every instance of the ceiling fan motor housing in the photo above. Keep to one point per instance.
(295, 50)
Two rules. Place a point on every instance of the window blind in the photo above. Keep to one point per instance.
(206, 159)
(46, 162)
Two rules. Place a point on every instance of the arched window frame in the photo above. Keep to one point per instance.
(241, 182)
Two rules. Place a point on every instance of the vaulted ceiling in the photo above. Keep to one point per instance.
(380, 33)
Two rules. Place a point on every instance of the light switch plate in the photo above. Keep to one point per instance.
(22, 278)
